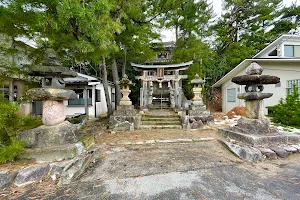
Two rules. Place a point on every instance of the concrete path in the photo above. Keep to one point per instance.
(174, 171)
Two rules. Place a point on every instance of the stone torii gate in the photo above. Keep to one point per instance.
(161, 84)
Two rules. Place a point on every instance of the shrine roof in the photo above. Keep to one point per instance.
(175, 66)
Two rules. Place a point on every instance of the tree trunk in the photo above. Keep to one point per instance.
(11, 90)
(105, 86)
(176, 33)
(116, 79)
(125, 60)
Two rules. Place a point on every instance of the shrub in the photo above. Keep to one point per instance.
(9, 152)
(77, 120)
(10, 125)
(287, 112)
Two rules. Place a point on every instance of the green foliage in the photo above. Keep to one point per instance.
(188, 17)
(10, 125)
(77, 120)
(287, 112)
(9, 152)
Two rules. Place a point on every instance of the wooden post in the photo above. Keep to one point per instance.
(145, 98)
(177, 89)
(141, 98)
(86, 96)
(11, 90)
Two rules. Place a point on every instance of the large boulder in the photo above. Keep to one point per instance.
(50, 136)
(196, 124)
(244, 152)
(6, 178)
(74, 169)
(31, 175)
(254, 126)
(282, 153)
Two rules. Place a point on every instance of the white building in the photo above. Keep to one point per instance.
(97, 105)
(281, 58)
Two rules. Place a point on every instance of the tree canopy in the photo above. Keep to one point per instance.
(109, 34)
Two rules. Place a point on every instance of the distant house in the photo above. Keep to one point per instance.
(13, 85)
(96, 97)
(97, 106)
(281, 58)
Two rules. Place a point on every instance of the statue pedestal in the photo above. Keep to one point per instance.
(254, 109)
(124, 118)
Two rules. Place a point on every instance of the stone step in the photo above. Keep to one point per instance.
(160, 119)
(161, 123)
(52, 154)
(159, 107)
(161, 127)
(161, 116)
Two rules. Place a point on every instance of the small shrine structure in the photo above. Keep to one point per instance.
(161, 85)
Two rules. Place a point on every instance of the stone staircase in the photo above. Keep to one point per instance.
(161, 122)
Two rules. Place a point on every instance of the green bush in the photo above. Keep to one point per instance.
(77, 120)
(287, 112)
(10, 125)
(9, 152)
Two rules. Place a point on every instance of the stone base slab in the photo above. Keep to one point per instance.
(52, 154)
(199, 112)
(125, 103)
(270, 139)
(50, 136)
(125, 110)
(198, 107)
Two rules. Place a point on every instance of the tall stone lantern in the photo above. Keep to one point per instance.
(197, 90)
(124, 84)
(198, 107)
(124, 118)
(198, 114)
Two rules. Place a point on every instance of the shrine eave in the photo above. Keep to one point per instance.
(179, 66)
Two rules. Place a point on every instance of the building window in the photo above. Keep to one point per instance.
(80, 96)
(231, 95)
(291, 51)
(290, 84)
(98, 95)
(113, 97)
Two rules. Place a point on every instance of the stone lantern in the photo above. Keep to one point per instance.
(52, 92)
(198, 107)
(56, 140)
(254, 81)
(124, 84)
(254, 128)
(124, 118)
(254, 121)
(197, 90)
(198, 113)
